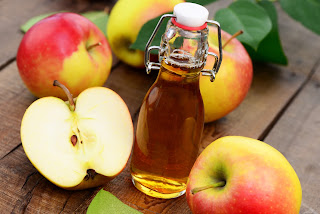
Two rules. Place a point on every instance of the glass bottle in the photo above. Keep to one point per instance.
(171, 117)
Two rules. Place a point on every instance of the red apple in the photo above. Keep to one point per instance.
(242, 175)
(67, 47)
(233, 80)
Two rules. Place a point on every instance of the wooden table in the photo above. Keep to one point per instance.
(282, 108)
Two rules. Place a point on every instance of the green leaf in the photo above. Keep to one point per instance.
(307, 12)
(99, 18)
(246, 16)
(26, 26)
(201, 2)
(104, 203)
(253, 1)
(270, 48)
(145, 33)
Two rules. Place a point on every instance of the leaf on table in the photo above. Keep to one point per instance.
(201, 2)
(307, 12)
(104, 203)
(246, 16)
(26, 26)
(145, 33)
(99, 18)
(270, 48)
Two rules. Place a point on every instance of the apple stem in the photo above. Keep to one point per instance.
(69, 95)
(199, 189)
(94, 45)
(232, 37)
(106, 10)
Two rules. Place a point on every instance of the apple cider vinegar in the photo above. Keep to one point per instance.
(171, 117)
(168, 133)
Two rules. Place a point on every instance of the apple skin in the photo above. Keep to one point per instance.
(55, 48)
(258, 178)
(98, 180)
(233, 79)
(126, 19)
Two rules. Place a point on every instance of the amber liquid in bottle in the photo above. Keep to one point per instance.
(168, 132)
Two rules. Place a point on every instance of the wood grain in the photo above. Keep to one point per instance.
(282, 108)
(15, 98)
(297, 137)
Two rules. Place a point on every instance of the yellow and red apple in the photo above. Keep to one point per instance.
(233, 80)
(78, 144)
(242, 175)
(126, 19)
(67, 47)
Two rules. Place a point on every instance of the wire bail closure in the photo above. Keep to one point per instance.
(156, 65)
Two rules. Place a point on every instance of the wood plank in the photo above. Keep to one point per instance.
(26, 190)
(15, 98)
(14, 13)
(297, 137)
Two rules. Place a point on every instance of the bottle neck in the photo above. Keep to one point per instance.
(184, 51)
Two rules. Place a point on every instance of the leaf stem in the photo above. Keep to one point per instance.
(67, 92)
(199, 189)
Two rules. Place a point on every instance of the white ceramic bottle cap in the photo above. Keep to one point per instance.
(190, 14)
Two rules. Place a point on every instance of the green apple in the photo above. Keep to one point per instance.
(81, 144)
(242, 175)
(233, 80)
(126, 19)
(67, 47)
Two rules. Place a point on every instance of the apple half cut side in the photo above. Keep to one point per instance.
(82, 147)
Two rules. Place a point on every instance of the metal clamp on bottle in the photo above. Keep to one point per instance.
(212, 73)
(156, 65)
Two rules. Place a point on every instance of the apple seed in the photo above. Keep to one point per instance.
(74, 140)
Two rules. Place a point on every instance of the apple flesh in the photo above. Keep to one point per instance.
(82, 145)
(67, 47)
(233, 80)
(242, 175)
(125, 21)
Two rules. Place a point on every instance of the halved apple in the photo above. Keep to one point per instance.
(81, 144)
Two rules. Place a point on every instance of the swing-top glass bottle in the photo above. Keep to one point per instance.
(171, 118)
